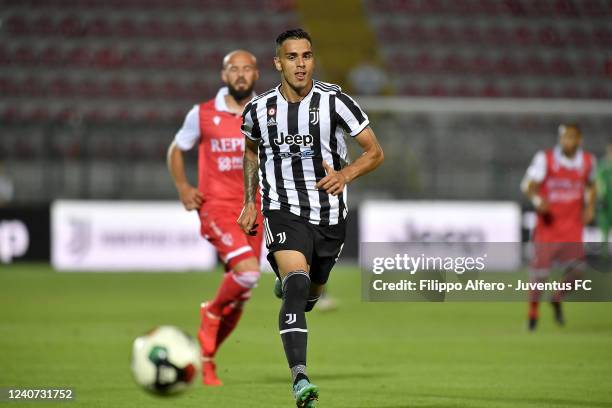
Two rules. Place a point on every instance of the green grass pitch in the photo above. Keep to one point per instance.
(75, 330)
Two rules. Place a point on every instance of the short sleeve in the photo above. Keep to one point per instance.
(537, 169)
(351, 117)
(189, 133)
(250, 125)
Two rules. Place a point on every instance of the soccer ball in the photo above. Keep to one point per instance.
(165, 360)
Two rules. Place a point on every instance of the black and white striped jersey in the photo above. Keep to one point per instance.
(294, 139)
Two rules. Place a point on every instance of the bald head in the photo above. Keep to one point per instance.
(238, 55)
(240, 73)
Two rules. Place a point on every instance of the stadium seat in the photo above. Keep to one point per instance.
(98, 27)
(16, 25)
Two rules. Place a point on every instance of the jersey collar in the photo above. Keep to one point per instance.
(573, 163)
(278, 89)
(220, 104)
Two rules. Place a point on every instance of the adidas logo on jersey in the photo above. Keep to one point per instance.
(303, 140)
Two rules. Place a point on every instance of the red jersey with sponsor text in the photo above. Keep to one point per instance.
(221, 150)
(564, 189)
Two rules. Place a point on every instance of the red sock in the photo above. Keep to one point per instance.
(533, 309)
(229, 291)
(231, 316)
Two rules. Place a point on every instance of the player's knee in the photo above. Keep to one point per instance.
(245, 296)
(248, 279)
(296, 285)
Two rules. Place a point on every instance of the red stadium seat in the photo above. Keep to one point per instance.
(480, 64)
(442, 34)
(565, 8)
(23, 56)
(523, 35)
(550, 36)
(598, 93)
(578, 37)
(534, 65)
(134, 58)
(471, 35)
(4, 55)
(161, 58)
(188, 59)
(51, 56)
(61, 87)
(544, 91)
(71, 27)
(561, 67)
(594, 8)
(507, 66)
(98, 27)
(424, 63)
(463, 90)
(438, 90)
(153, 28)
(490, 91)
(389, 33)
(517, 91)
(570, 92)
(117, 88)
(487, 7)
(16, 25)
(89, 88)
(415, 33)
(181, 29)
(44, 25)
(497, 35)
(541, 8)
(603, 36)
(454, 63)
(144, 89)
(125, 28)
(108, 57)
(80, 57)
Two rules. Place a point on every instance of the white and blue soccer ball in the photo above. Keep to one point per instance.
(165, 361)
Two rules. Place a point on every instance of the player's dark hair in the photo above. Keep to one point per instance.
(293, 34)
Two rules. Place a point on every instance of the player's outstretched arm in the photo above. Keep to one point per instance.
(190, 196)
(249, 211)
(371, 158)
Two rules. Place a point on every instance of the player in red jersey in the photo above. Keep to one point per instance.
(560, 182)
(215, 126)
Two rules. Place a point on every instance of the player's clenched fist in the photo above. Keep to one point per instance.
(334, 182)
(247, 218)
(191, 197)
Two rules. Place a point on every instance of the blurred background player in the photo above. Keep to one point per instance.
(296, 130)
(604, 197)
(215, 126)
(560, 183)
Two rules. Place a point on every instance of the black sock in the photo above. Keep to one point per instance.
(299, 377)
(292, 318)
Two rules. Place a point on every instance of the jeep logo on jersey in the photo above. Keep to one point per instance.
(304, 140)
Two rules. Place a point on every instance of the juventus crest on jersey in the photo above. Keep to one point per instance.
(294, 139)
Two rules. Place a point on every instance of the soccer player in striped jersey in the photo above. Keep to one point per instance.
(295, 142)
(215, 126)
